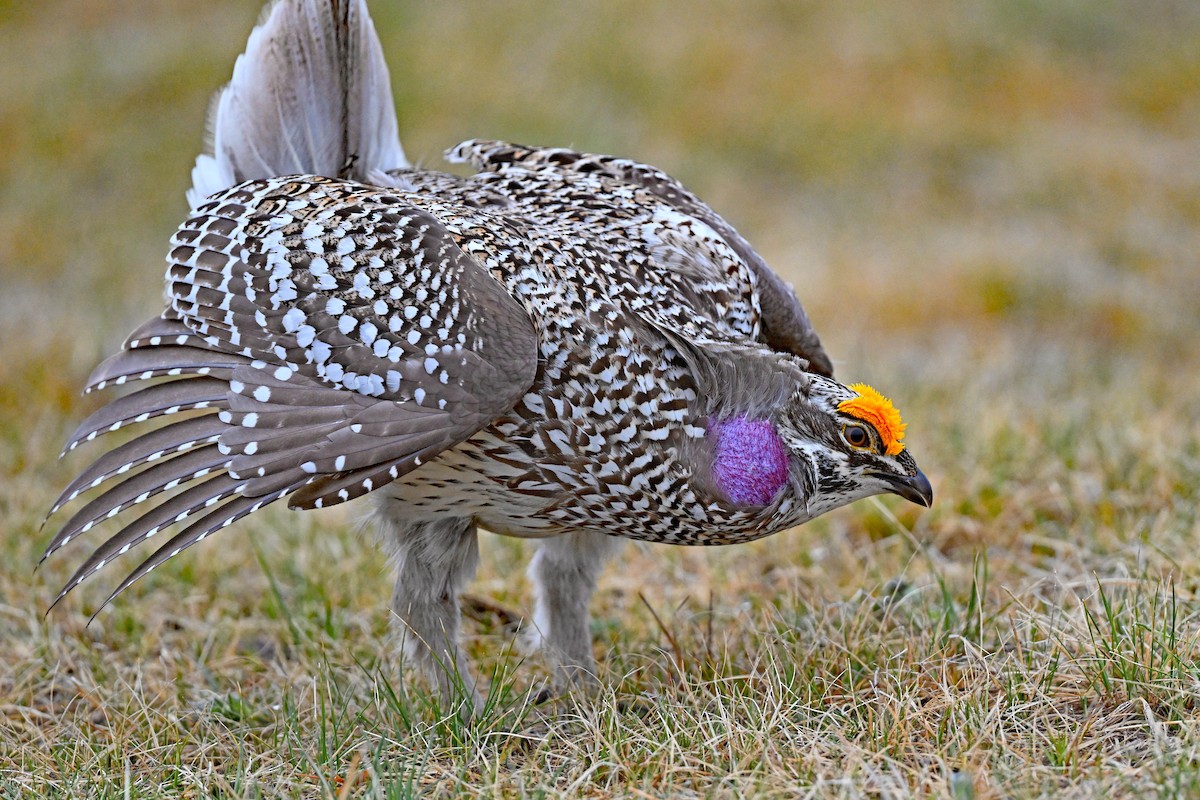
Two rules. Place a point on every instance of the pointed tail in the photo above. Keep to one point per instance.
(310, 95)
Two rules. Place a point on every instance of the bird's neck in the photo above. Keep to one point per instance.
(750, 460)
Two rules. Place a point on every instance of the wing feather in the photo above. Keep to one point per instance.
(137, 488)
(785, 324)
(215, 520)
(161, 399)
(329, 382)
(144, 363)
(160, 443)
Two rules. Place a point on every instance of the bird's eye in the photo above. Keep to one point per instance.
(856, 436)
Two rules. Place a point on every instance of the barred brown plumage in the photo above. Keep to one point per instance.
(563, 345)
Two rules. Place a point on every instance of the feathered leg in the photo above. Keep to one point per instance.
(564, 572)
(434, 562)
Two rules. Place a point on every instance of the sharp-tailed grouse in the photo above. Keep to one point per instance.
(562, 346)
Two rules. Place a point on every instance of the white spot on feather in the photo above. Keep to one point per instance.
(321, 352)
(293, 320)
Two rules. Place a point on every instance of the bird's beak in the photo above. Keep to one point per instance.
(915, 488)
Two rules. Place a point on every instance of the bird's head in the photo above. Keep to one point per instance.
(831, 444)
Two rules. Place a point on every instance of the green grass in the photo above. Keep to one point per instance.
(991, 212)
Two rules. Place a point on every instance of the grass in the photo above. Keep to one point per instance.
(990, 210)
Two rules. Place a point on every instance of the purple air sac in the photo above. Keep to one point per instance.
(750, 462)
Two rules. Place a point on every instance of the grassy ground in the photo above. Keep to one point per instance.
(992, 211)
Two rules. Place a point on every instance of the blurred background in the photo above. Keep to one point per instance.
(991, 210)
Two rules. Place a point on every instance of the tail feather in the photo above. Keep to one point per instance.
(311, 95)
